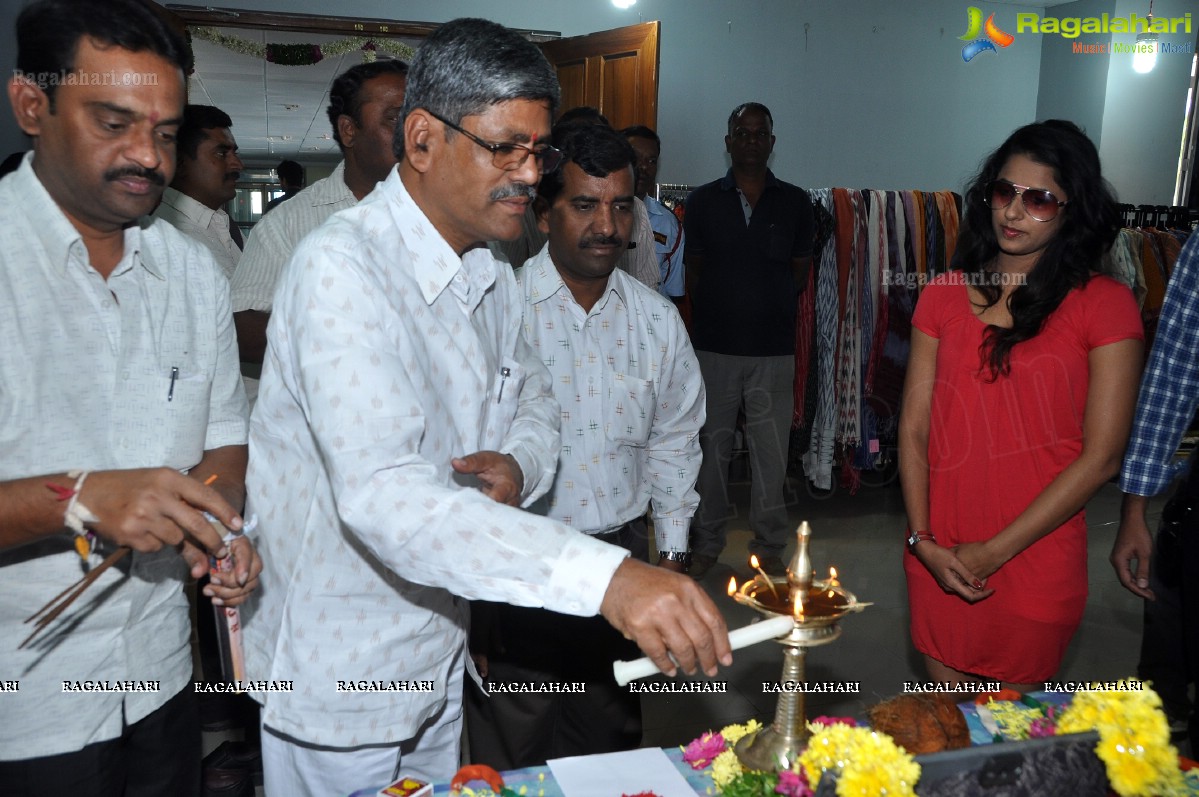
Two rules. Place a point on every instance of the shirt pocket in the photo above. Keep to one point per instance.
(503, 400)
(780, 243)
(629, 409)
(185, 402)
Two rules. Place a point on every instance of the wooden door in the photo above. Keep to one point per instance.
(613, 70)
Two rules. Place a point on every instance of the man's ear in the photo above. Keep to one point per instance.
(347, 130)
(420, 139)
(29, 103)
(541, 209)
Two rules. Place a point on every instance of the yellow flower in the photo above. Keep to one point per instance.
(1134, 738)
(870, 763)
(724, 768)
(732, 733)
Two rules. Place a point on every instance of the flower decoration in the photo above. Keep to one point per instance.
(703, 750)
(303, 54)
(733, 733)
(726, 767)
(868, 762)
(793, 784)
(1134, 738)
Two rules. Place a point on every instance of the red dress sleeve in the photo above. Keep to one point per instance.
(932, 306)
(1111, 313)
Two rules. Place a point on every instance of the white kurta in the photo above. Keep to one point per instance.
(389, 355)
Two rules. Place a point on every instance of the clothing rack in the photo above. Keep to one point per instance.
(1171, 216)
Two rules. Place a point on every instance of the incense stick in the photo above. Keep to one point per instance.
(75, 591)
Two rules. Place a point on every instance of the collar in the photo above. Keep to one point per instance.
(729, 183)
(655, 207)
(434, 262)
(55, 232)
(544, 282)
(339, 190)
(189, 208)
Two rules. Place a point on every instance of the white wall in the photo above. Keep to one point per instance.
(1143, 115)
(865, 93)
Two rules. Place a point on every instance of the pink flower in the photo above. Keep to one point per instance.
(701, 751)
(793, 784)
(834, 720)
(1040, 728)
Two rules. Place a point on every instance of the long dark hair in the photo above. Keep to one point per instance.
(1090, 223)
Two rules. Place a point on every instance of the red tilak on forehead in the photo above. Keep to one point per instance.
(154, 117)
(534, 141)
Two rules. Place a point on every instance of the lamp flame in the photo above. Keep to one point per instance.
(732, 585)
(797, 606)
(832, 580)
(753, 561)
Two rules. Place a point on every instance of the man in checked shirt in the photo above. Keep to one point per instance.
(632, 403)
(1166, 574)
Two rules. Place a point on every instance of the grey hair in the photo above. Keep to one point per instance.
(468, 65)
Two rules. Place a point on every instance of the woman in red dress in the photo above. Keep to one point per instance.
(1019, 397)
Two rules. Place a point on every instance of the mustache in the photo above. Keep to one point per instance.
(601, 240)
(517, 190)
(152, 175)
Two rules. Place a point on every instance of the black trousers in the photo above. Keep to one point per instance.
(536, 646)
(155, 757)
(1170, 640)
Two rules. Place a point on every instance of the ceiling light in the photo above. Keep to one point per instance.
(623, 3)
(1144, 55)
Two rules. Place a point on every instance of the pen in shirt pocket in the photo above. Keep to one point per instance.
(505, 372)
(174, 377)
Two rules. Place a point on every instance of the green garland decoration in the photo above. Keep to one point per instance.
(304, 54)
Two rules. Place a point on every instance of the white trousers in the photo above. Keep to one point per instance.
(291, 768)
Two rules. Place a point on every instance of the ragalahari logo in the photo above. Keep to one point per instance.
(975, 43)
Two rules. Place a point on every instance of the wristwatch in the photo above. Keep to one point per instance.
(915, 537)
(677, 556)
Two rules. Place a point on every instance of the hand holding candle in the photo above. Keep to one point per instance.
(773, 628)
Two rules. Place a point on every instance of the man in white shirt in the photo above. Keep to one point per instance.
(205, 180)
(401, 420)
(632, 401)
(120, 400)
(668, 233)
(640, 261)
(364, 103)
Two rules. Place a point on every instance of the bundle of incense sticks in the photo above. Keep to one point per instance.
(228, 618)
(228, 623)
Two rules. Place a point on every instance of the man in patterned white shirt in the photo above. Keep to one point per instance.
(401, 420)
(364, 103)
(206, 179)
(632, 404)
(120, 398)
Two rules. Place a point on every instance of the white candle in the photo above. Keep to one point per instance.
(751, 634)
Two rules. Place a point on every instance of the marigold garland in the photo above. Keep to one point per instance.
(1134, 738)
(304, 54)
(868, 762)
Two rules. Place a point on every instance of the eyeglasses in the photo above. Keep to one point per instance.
(509, 156)
(1040, 204)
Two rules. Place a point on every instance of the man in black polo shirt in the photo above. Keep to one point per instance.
(749, 247)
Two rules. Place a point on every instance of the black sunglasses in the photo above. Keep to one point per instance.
(509, 156)
(1042, 205)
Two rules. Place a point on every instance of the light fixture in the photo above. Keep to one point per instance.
(1144, 56)
(623, 3)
